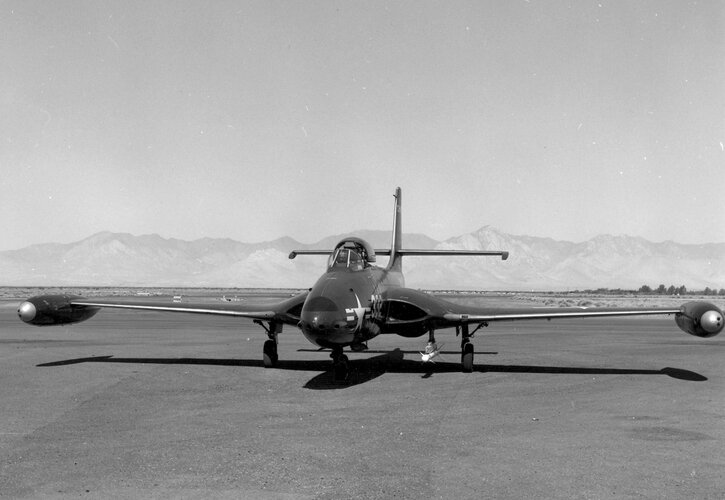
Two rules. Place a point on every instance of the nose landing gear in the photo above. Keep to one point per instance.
(340, 365)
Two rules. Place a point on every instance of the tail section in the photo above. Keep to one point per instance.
(395, 262)
(397, 251)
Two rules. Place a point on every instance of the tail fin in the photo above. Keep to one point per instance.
(395, 262)
(397, 251)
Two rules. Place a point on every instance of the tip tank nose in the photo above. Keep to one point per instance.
(711, 321)
(27, 311)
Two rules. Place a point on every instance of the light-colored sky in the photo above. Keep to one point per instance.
(255, 120)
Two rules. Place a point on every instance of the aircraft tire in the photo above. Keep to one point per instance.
(269, 354)
(467, 357)
(340, 369)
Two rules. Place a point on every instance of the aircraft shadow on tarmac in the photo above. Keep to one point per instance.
(364, 370)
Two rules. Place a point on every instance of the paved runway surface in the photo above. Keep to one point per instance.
(151, 405)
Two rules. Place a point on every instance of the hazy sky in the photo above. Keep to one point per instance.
(255, 120)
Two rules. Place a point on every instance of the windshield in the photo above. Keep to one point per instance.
(347, 258)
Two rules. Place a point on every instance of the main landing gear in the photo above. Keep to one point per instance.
(432, 350)
(269, 351)
(467, 345)
(466, 350)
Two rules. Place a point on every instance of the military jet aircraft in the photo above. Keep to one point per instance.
(355, 300)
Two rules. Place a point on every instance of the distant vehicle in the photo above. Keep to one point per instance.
(354, 301)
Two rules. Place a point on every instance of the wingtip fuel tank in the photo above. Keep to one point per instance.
(46, 310)
(700, 319)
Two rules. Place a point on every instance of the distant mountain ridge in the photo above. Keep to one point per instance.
(122, 259)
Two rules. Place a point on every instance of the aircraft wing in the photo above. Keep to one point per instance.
(405, 308)
(60, 309)
(442, 311)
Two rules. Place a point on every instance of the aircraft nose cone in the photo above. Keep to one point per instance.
(27, 311)
(322, 314)
(711, 321)
(325, 321)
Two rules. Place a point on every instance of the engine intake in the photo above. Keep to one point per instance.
(46, 310)
(700, 319)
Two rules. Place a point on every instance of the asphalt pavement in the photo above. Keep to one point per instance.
(153, 405)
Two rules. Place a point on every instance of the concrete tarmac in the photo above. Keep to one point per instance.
(154, 405)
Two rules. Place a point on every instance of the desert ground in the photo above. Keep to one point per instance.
(153, 405)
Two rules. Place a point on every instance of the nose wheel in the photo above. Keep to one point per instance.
(340, 366)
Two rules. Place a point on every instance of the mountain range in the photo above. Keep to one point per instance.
(121, 259)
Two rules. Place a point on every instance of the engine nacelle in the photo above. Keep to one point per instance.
(46, 310)
(700, 319)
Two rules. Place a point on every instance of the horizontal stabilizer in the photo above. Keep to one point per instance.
(295, 253)
(503, 255)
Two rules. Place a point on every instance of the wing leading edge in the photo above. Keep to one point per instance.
(512, 314)
(286, 311)
(218, 310)
(63, 309)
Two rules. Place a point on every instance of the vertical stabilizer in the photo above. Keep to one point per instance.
(395, 257)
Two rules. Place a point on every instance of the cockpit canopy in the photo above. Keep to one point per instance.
(353, 254)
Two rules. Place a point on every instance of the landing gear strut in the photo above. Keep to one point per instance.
(269, 351)
(340, 368)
